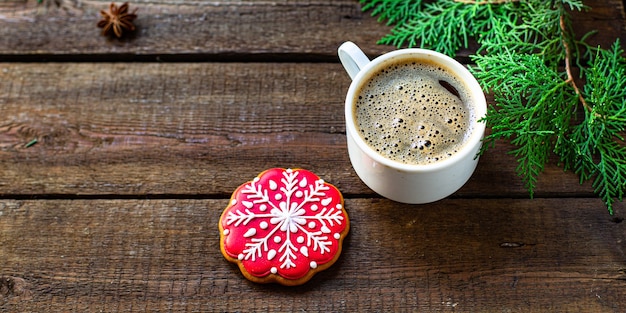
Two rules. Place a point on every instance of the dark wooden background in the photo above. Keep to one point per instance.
(140, 143)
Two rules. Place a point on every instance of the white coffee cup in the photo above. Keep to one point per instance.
(410, 183)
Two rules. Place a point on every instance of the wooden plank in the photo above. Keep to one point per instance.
(202, 30)
(455, 255)
(192, 129)
(188, 28)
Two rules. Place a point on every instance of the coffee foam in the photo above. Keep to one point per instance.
(413, 113)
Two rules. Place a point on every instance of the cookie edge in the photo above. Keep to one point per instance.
(275, 278)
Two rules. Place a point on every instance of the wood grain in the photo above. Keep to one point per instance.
(203, 30)
(188, 129)
(190, 29)
(113, 173)
(454, 255)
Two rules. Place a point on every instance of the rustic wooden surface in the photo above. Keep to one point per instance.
(141, 141)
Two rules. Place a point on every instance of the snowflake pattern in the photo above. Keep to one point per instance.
(284, 222)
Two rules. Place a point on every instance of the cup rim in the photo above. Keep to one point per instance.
(480, 110)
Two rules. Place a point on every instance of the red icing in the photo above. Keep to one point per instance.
(293, 213)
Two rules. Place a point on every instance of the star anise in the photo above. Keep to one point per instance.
(116, 20)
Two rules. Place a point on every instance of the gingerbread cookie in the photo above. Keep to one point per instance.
(284, 226)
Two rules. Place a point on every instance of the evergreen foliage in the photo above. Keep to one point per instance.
(524, 56)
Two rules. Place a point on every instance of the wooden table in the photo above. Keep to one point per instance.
(118, 157)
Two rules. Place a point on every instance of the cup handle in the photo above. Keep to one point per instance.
(352, 58)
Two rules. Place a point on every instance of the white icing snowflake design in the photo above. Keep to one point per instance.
(284, 217)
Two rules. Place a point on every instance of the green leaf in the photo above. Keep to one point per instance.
(524, 57)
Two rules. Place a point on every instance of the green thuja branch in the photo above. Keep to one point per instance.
(394, 12)
(525, 52)
(595, 147)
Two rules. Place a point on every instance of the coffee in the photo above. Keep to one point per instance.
(413, 112)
